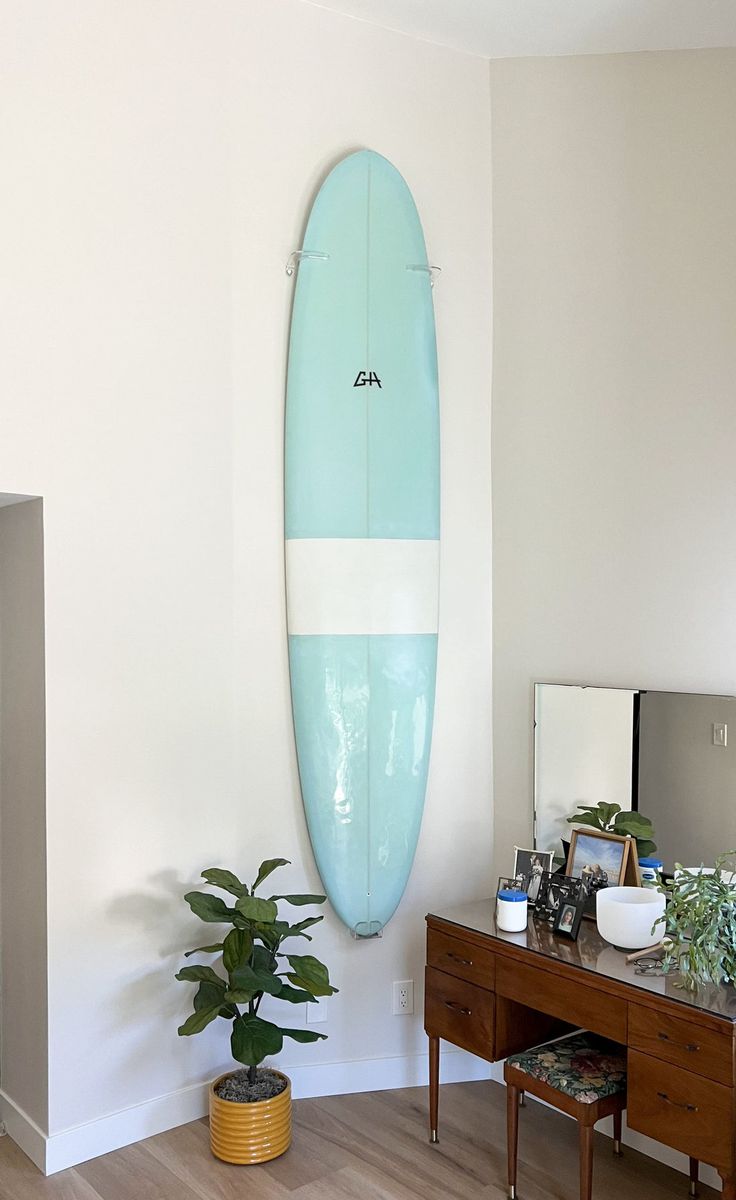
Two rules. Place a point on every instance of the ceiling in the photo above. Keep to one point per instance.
(518, 28)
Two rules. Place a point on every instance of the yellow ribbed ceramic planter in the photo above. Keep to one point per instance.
(250, 1133)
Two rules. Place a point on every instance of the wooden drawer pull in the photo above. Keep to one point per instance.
(691, 1046)
(464, 962)
(678, 1103)
(458, 1008)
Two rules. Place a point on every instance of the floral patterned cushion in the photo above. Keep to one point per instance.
(582, 1065)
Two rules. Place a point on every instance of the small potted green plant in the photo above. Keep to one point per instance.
(700, 924)
(250, 1109)
(611, 818)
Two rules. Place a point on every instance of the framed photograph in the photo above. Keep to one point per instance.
(532, 864)
(602, 860)
(555, 890)
(568, 918)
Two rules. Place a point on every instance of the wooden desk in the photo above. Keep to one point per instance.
(496, 993)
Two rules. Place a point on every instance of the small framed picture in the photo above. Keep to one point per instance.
(602, 860)
(555, 890)
(568, 917)
(532, 864)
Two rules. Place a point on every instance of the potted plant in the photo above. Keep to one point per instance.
(700, 924)
(250, 1109)
(611, 818)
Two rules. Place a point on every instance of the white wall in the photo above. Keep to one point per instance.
(614, 427)
(159, 161)
(23, 933)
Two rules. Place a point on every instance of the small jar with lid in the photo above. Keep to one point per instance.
(511, 909)
(651, 872)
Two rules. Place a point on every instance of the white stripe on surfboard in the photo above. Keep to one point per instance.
(362, 585)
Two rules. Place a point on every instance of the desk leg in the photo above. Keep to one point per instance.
(729, 1186)
(434, 1087)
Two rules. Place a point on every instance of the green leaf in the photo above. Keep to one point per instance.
(198, 1021)
(239, 996)
(590, 819)
(299, 926)
(296, 995)
(253, 1039)
(225, 880)
(246, 979)
(253, 908)
(210, 995)
(303, 1035)
(209, 908)
(309, 973)
(645, 849)
(266, 867)
(633, 823)
(262, 959)
(299, 899)
(204, 950)
(236, 949)
(200, 975)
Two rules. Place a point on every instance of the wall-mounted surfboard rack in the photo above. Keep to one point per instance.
(430, 270)
(296, 257)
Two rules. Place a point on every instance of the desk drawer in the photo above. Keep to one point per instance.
(459, 1012)
(680, 1109)
(568, 999)
(684, 1043)
(460, 958)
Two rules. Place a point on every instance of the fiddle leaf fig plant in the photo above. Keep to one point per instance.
(700, 924)
(610, 818)
(253, 965)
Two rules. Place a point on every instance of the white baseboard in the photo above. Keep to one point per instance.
(24, 1131)
(383, 1074)
(82, 1142)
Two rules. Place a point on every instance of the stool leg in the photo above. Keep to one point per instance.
(617, 1133)
(586, 1161)
(512, 1135)
(694, 1171)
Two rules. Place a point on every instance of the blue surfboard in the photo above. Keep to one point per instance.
(362, 514)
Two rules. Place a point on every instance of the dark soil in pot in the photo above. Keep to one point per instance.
(237, 1087)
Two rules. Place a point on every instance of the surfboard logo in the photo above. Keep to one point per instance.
(367, 379)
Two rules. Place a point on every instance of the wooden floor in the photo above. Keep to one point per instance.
(363, 1147)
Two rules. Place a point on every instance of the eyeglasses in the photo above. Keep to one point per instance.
(649, 966)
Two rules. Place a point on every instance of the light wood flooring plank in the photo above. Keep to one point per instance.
(21, 1180)
(134, 1174)
(185, 1152)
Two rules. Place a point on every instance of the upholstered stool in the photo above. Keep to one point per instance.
(582, 1075)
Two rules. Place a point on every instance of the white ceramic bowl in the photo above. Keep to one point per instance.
(625, 916)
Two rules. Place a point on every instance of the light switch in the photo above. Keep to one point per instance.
(720, 734)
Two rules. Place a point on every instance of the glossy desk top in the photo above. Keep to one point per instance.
(591, 953)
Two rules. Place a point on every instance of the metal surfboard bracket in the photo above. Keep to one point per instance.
(296, 257)
(365, 930)
(433, 271)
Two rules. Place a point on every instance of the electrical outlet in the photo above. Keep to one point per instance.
(316, 1013)
(403, 997)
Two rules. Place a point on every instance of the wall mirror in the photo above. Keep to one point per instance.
(669, 755)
